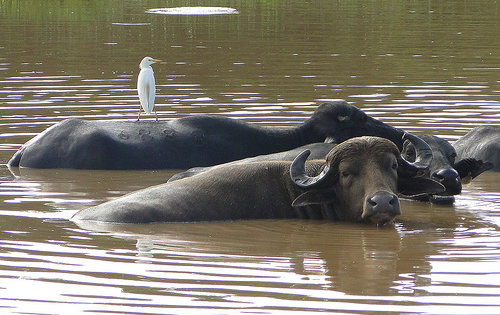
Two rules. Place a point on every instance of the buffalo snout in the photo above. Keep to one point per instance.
(381, 207)
(450, 179)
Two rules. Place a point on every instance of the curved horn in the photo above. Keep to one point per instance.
(423, 155)
(298, 172)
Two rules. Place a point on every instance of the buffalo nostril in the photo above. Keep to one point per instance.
(382, 199)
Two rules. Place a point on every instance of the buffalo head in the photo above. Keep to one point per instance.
(445, 169)
(361, 178)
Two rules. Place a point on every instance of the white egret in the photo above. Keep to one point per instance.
(146, 86)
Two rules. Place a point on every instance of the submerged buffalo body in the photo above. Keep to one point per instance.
(358, 182)
(186, 142)
(481, 143)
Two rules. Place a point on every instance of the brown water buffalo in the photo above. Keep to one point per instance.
(358, 182)
(187, 142)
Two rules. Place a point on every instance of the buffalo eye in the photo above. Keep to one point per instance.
(344, 174)
(394, 165)
(342, 118)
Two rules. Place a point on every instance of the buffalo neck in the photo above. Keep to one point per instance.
(308, 132)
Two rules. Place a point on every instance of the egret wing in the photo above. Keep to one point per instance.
(146, 90)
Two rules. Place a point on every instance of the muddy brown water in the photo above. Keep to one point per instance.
(428, 67)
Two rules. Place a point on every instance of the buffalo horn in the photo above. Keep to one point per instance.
(412, 169)
(423, 156)
(298, 172)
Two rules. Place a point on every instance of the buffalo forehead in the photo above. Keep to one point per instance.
(358, 162)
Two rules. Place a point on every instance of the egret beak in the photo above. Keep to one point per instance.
(157, 60)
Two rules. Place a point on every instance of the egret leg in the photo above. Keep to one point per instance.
(156, 115)
(139, 114)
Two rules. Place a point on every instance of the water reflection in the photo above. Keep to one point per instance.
(327, 255)
(352, 259)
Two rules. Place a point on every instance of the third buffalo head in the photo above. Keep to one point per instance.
(362, 177)
(445, 168)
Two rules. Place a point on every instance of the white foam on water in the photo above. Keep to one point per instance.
(193, 11)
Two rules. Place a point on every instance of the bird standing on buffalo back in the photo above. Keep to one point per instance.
(146, 86)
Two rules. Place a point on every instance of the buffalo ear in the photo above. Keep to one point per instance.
(470, 168)
(316, 196)
(418, 186)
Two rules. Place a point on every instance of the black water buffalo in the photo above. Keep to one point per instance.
(187, 142)
(446, 168)
(481, 143)
(358, 182)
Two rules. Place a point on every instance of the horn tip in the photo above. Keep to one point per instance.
(302, 156)
(297, 169)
